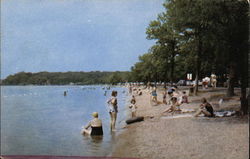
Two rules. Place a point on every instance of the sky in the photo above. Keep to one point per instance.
(74, 35)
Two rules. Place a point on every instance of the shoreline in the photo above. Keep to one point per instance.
(186, 137)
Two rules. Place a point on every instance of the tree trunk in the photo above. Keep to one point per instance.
(198, 65)
(244, 101)
(155, 78)
(244, 81)
(196, 81)
(172, 69)
(231, 80)
(172, 64)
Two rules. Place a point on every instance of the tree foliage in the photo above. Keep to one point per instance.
(63, 78)
(199, 37)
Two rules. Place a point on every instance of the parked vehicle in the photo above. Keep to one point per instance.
(189, 83)
(199, 83)
(181, 83)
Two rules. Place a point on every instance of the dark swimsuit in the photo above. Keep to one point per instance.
(210, 109)
(96, 130)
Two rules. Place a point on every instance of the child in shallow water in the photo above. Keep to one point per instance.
(133, 106)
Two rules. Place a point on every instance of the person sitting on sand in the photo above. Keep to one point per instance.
(205, 108)
(139, 92)
(94, 127)
(175, 91)
(184, 98)
(170, 95)
(174, 107)
(133, 106)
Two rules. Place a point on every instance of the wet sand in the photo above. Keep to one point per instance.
(160, 136)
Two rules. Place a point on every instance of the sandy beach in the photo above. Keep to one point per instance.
(170, 137)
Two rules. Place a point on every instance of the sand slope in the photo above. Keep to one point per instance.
(186, 137)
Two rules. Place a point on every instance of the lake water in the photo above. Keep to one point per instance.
(40, 120)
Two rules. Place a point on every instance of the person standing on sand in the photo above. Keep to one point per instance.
(170, 95)
(154, 95)
(95, 125)
(148, 85)
(130, 88)
(113, 109)
(205, 108)
(164, 96)
(213, 80)
(184, 98)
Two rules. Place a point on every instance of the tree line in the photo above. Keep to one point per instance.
(64, 78)
(199, 37)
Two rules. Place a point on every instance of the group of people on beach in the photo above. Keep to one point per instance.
(175, 100)
(171, 93)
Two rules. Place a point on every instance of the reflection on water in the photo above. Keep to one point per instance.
(42, 121)
(96, 139)
(93, 143)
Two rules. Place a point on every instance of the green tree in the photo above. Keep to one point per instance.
(145, 69)
(166, 48)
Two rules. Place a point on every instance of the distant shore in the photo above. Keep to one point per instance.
(160, 137)
(66, 78)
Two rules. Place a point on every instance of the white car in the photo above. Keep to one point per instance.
(199, 83)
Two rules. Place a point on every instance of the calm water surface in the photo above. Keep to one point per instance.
(39, 120)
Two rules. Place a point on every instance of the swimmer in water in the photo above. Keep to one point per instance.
(65, 93)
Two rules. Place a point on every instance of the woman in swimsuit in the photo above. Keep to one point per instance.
(205, 108)
(95, 125)
(113, 109)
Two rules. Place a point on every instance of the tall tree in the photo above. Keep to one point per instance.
(167, 41)
(194, 20)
